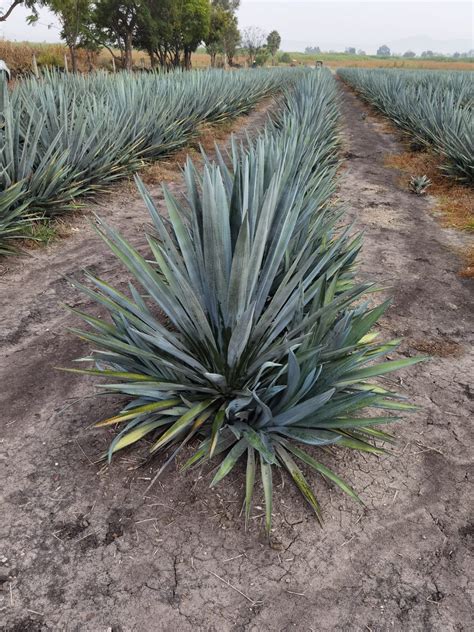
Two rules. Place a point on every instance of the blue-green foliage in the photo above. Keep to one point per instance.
(435, 107)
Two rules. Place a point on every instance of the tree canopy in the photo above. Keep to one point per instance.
(273, 43)
(383, 51)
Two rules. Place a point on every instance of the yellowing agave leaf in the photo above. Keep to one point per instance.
(139, 410)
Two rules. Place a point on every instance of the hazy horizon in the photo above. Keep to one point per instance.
(442, 26)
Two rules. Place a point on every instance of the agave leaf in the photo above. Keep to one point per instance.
(305, 409)
(223, 443)
(301, 482)
(230, 460)
(124, 375)
(132, 436)
(309, 436)
(249, 483)
(322, 469)
(216, 427)
(355, 422)
(255, 439)
(266, 472)
(139, 410)
(378, 369)
(358, 444)
(182, 423)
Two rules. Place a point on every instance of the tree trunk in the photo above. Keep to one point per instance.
(73, 53)
(90, 64)
(187, 58)
(153, 59)
(213, 60)
(176, 58)
(128, 52)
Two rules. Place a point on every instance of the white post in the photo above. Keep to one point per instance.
(35, 66)
(3, 97)
(65, 63)
(113, 64)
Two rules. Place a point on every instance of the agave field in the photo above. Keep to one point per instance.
(434, 107)
(66, 136)
(267, 352)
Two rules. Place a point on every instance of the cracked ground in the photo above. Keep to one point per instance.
(83, 548)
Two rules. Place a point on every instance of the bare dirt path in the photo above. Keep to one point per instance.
(84, 550)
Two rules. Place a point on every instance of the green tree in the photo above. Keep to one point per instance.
(231, 39)
(116, 23)
(262, 56)
(383, 51)
(157, 23)
(273, 44)
(285, 58)
(223, 36)
(171, 30)
(194, 21)
(215, 37)
(74, 17)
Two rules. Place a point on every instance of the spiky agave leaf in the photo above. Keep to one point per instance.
(269, 347)
(13, 221)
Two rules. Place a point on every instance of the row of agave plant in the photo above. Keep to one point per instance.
(266, 349)
(67, 136)
(437, 109)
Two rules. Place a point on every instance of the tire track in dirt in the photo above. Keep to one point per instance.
(89, 552)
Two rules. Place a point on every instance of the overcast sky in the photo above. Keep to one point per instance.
(445, 26)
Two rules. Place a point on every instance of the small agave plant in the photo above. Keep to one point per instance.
(419, 184)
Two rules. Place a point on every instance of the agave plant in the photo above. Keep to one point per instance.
(419, 184)
(265, 350)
